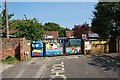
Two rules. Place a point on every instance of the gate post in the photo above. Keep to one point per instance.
(82, 46)
(64, 47)
(44, 49)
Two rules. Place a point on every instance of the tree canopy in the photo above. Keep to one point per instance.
(51, 26)
(29, 28)
(106, 21)
(0, 20)
(78, 30)
(4, 18)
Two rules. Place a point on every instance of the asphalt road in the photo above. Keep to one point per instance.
(76, 66)
(73, 66)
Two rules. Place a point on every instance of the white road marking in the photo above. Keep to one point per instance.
(76, 57)
(58, 75)
(71, 57)
(57, 59)
(57, 65)
(62, 63)
(58, 70)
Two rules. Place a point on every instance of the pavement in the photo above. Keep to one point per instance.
(4, 67)
(26, 69)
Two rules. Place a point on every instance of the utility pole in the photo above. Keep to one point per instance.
(6, 16)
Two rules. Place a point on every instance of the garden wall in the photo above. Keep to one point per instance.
(15, 47)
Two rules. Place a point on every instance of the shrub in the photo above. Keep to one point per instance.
(10, 58)
(0, 61)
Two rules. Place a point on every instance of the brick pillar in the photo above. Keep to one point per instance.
(22, 49)
(29, 49)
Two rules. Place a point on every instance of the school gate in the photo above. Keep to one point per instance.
(64, 46)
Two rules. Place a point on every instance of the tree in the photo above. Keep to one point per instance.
(51, 26)
(0, 19)
(4, 19)
(78, 30)
(106, 21)
(28, 28)
(62, 32)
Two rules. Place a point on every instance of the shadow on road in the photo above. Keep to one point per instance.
(106, 62)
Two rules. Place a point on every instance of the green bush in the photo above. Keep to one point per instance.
(10, 58)
(0, 61)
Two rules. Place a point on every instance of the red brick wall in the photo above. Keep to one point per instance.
(9, 47)
(13, 46)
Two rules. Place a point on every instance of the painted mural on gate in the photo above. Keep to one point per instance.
(37, 48)
(56, 48)
(74, 45)
(52, 48)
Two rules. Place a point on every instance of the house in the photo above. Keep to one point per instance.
(82, 31)
(51, 36)
(70, 34)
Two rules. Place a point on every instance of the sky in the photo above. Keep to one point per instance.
(67, 14)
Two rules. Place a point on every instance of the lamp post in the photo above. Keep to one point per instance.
(6, 18)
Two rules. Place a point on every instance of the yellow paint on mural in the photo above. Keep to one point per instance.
(98, 42)
(36, 50)
(48, 45)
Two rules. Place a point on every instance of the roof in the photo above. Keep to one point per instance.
(11, 31)
(69, 33)
(51, 33)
